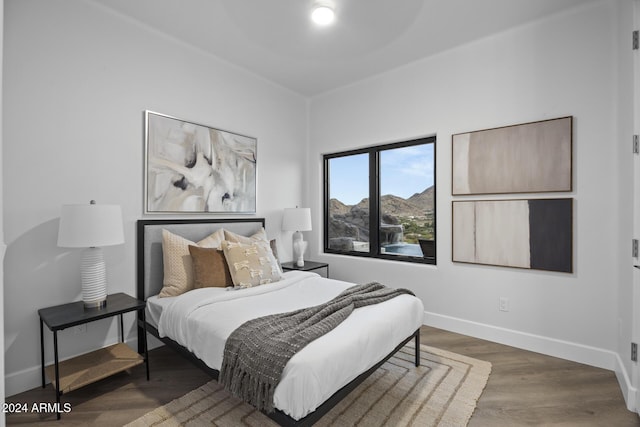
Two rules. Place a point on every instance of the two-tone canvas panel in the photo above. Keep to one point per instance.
(526, 158)
(532, 234)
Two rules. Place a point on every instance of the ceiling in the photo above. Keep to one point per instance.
(276, 39)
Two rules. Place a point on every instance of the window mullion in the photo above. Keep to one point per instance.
(374, 198)
(327, 191)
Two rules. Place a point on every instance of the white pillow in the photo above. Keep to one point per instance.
(260, 235)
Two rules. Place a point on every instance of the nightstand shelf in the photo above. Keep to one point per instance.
(316, 267)
(91, 367)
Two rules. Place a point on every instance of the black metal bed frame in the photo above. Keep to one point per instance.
(278, 416)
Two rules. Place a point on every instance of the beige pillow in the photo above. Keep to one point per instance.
(260, 235)
(178, 267)
(210, 269)
(274, 248)
(251, 264)
(213, 240)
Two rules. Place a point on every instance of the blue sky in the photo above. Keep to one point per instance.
(405, 171)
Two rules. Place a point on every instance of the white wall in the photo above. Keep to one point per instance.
(563, 65)
(3, 246)
(77, 79)
(624, 113)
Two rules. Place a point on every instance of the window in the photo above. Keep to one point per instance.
(380, 201)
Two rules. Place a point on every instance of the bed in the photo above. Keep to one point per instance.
(312, 382)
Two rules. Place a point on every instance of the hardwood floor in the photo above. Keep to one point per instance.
(524, 388)
(527, 388)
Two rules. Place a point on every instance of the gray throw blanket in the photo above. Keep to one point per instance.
(256, 352)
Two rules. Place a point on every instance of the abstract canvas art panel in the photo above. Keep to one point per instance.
(198, 169)
(532, 234)
(528, 158)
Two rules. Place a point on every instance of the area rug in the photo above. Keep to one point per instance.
(443, 391)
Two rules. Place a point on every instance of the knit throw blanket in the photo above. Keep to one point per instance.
(256, 352)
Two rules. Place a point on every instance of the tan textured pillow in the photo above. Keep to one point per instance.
(260, 235)
(178, 268)
(210, 269)
(251, 265)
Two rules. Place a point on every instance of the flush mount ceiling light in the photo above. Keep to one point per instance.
(322, 13)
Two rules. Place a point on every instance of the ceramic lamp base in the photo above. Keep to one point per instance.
(299, 247)
(94, 278)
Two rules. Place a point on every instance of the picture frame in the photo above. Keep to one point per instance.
(195, 168)
(535, 234)
(533, 157)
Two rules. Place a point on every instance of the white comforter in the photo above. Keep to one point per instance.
(202, 319)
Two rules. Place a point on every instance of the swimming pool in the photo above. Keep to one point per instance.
(410, 249)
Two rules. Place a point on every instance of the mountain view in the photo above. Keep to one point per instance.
(403, 220)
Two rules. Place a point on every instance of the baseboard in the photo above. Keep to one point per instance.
(17, 382)
(550, 346)
(629, 392)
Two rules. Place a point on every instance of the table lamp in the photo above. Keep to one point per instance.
(91, 226)
(297, 220)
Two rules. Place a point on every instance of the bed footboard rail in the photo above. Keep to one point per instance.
(417, 354)
(278, 416)
(286, 421)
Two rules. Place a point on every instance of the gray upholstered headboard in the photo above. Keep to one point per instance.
(149, 244)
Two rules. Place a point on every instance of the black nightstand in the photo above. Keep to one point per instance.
(95, 365)
(316, 267)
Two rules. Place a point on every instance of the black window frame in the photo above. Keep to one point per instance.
(374, 201)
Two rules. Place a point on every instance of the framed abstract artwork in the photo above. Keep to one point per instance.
(527, 158)
(193, 168)
(531, 233)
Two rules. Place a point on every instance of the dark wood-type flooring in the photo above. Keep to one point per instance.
(524, 388)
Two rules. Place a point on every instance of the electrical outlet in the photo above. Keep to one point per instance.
(503, 304)
(80, 329)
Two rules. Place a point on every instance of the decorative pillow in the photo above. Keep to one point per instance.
(260, 235)
(274, 248)
(210, 269)
(213, 240)
(178, 268)
(251, 264)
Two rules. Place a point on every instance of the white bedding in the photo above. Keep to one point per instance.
(202, 319)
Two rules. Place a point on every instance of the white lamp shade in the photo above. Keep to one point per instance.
(90, 225)
(296, 219)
